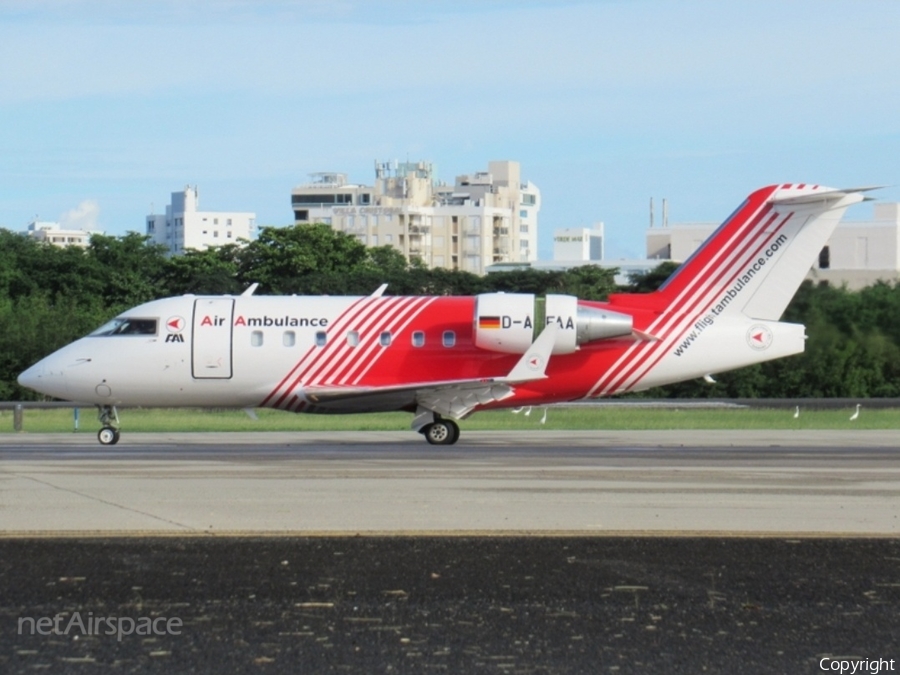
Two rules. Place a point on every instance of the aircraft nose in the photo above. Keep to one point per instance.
(44, 380)
(29, 378)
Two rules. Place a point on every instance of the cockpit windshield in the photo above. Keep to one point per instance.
(126, 325)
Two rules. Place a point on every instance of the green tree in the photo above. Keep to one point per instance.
(590, 282)
(132, 268)
(645, 282)
(34, 325)
(213, 271)
(283, 260)
(539, 282)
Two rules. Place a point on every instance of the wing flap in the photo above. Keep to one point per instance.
(454, 399)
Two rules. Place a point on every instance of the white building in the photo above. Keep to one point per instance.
(858, 254)
(54, 233)
(484, 218)
(184, 227)
(861, 252)
(578, 243)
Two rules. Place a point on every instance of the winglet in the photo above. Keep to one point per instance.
(533, 363)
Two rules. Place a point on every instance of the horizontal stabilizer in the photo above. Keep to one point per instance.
(820, 197)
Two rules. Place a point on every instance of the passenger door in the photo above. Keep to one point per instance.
(211, 338)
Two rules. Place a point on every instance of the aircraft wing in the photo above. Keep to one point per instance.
(453, 398)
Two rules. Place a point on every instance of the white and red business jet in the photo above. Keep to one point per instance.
(443, 358)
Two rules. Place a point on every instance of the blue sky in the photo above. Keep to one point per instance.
(107, 107)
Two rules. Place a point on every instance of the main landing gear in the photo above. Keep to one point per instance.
(441, 432)
(109, 418)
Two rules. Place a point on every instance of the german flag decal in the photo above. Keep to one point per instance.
(488, 322)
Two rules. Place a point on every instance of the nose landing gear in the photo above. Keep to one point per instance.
(109, 418)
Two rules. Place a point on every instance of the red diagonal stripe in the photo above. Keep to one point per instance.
(400, 324)
(349, 355)
(306, 355)
(314, 353)
(659, 349)
(370, 349)
(730, 235)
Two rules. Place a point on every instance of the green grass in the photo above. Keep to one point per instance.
(600, 417)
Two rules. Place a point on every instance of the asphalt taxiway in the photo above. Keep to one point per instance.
(710, 482)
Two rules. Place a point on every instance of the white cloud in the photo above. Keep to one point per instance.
(82, 217)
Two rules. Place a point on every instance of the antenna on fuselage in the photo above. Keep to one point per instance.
(251, 289)
(379, 291)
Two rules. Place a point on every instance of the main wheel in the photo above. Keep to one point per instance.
(108, 436)
(442, 432)
(454, 427)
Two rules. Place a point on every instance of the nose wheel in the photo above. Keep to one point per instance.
(109, 418)
(108, 436)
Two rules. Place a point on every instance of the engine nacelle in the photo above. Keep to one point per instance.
(504, 322)
(510, 322)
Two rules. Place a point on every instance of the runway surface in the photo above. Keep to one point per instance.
(614, 552)
(526, 605)
(801, 483)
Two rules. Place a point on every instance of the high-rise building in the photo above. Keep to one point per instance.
(484, 218)
(184, 227)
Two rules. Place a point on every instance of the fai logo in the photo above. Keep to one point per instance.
(759, 337)
(174, 324)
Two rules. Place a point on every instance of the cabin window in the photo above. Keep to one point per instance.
(321, 338)
(385, 339)
(289, 339)
(352, 337)
(256, 338)
(418, 339)
(448, 339)
(126, 325)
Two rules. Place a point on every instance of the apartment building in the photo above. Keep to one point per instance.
(56, 234)
(483, 218)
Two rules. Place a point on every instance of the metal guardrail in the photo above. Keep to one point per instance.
(787, 403)
(12, 405)
(19, 407)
